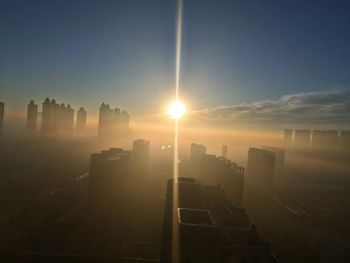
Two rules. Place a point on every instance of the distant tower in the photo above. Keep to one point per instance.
(69, 118)
(125, 118)
(105, 119)
(2, 113)
(32, 115)
(224, 151)
(61, 116)
(46, 116)
(81, 119)
(197, 152)
(107, 180)
(302, 138)
(260, 170)
(54, 109)
(116, 117)
(140, 155)
(288, 137)
(49, 115)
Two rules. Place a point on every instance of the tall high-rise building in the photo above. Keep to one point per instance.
(81, 119)
(224, 151)
(69, 118)
(345, 137)
(105, 120)
(2, 114)
(279, 156)
(302, 138)
(112, 121)
(108, 173)
(210, 169)
(117, 117)
(140, 155)
(201, 225)
(288, 137)
(124, 119)
(32, 115)
(197, 152)
(260, 170)
(324, 138)
(49, 115)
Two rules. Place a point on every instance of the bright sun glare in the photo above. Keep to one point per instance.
(176, 109)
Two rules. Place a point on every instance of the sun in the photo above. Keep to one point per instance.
(176, 109)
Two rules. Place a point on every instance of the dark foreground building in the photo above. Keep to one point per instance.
(107, 179)
(202, 226)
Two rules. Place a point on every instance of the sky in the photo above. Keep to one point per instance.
(235, 54)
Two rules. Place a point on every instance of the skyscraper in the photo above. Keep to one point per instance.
(204, 226)
(260, 170)
(124, 119)
(105, 120)
(140, 155)
(197, 152)
(302, 138)
(81, 119)
(108, 173)
(279, 156)
(288, 137)
(116, 117)
(224, 151)
(49, 115)
(69, 118)
(32, 115)
(2, 113)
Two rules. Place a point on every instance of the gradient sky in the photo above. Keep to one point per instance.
(122, 52)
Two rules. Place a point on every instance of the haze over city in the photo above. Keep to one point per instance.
(174, 131)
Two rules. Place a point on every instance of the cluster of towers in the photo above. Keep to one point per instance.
(316, 138)
(112, 120)
(54, 116)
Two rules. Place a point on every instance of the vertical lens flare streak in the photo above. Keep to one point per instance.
(178, 47)
(175, 250)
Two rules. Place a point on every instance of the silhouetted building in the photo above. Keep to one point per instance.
(302, 138)
(197, 151)
(279, 156)
(81, 119)
(140, 155)
(105, 119)
(117, 117)
(260, 170)
(56, 117)
(324, 138)
(112, 121)
(32, 115)
(345, 137)
(108, 174)
(201, 225)
(2, 114)
(288, 137)
(124, 119)
(218, 170)
(224, 151)
(69, 118)
(49, 116)
(318, 138)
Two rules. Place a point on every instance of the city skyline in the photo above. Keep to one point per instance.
(234, 55)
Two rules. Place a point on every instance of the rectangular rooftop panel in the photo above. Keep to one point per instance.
(195, 217)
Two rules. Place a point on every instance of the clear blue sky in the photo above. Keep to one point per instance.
(122, 52)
